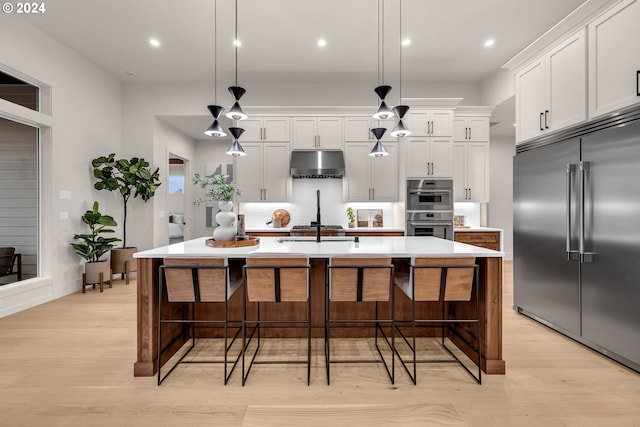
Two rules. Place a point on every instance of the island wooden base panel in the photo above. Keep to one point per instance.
(490, 314)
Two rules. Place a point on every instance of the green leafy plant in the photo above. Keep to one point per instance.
(93, 245)
(351, 215)
(217, 188)
(131, 177)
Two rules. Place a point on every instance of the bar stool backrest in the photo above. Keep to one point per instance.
(197, 279)
(6, 260)
(360, 284)
(288, 280)
(430, 285)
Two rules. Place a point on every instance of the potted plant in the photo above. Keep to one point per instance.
(352, 217)
(93, 246)
(219, 189)
(131, 177)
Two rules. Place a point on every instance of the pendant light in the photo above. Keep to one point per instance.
(378, 150)
(236, 113)
(383, 112)
(216, 128)
(236, 149)
(400, 129)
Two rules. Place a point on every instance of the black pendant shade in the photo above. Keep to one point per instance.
(378, 132)
(236, 149)
(400, 110)
(215, 110)
(382, 91)
(237, 92)
(216, 130)
(236, 132)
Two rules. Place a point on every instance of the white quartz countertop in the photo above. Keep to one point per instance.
(462, 230)
(268, 229)
(395, 246)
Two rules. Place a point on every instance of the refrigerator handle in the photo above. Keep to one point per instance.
(585, 257)
(571, 171)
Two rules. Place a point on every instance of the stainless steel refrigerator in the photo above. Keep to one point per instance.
(577, 238)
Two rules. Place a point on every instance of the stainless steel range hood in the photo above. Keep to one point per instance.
(317, 164)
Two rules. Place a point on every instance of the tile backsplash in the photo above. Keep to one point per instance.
(302, 208)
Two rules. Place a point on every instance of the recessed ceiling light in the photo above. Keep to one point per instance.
(406, 42)
(515, 124)
(489, 43)
(322, 42)
(154, 42)
(237, 43)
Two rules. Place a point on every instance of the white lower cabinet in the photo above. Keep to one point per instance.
(370, 178)
(263, 175)
(471, 172)
(429, 157)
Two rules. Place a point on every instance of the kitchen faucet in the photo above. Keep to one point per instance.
(318, 223)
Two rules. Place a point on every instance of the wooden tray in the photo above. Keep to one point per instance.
(251, 241)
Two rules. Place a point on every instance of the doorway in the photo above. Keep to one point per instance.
(176, 198)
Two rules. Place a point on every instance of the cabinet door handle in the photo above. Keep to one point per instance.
(546, 119)
(264, 132)
(469, 194)
(541, 114)
(469, 133)
(265, 194)
(373, 194)
(638, 83)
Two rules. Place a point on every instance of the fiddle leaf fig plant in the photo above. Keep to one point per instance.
(132, 177)
(93, 245)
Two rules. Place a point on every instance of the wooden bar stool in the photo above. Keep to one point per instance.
(443, 280)
(196, 281)
(278, 279)
(361, 279)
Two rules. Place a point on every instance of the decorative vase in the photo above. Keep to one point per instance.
(225, 231)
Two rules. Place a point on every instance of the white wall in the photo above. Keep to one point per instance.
(500, 211)
(86, 117)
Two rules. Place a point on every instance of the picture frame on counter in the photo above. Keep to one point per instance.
(370, 218)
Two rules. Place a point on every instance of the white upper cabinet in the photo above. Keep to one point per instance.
(317, 133)
(429, 157)
(471, 172)
(263, 174)
(370, 178)
(358, 128)
(471, 129)
(614, 59)
(265, 128)
(550, 91)
(430, 122)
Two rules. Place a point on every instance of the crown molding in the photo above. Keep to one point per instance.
(577, 19)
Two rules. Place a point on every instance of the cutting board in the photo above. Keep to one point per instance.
(284, 216)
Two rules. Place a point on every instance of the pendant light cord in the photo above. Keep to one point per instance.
(235, 43)
(400, 68)
(215, 52)
(382, 40)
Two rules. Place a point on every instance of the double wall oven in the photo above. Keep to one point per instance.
(430, 208)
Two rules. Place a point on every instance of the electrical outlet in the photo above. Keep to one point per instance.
(65, 195)
(64, 216)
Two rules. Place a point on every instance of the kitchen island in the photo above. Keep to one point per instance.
(401, 249)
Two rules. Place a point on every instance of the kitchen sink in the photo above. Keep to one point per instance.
(313, 239)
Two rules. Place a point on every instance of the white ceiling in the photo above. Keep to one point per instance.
(279, 37)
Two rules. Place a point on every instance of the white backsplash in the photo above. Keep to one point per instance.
(471, 212)
(303, 206)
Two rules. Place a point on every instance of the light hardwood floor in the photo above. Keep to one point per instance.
(70, 363)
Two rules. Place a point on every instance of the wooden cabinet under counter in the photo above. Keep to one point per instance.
(374, 233)
(484, 239)
(267, 233)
